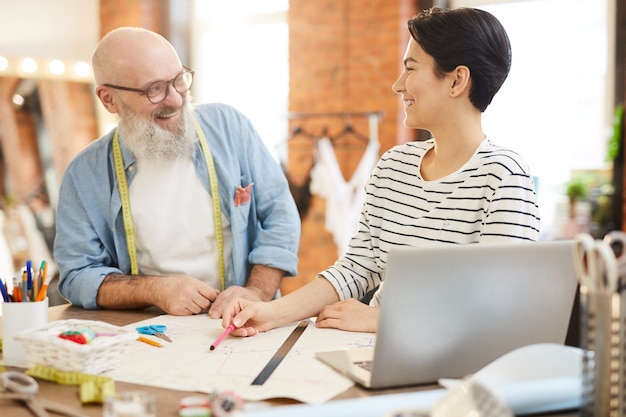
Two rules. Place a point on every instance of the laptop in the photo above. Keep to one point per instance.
(449, 310)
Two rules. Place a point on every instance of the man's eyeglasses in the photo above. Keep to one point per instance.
(158, 90)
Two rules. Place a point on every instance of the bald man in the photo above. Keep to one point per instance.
(180, 207)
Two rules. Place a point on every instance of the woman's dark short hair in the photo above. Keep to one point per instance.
(470, 37)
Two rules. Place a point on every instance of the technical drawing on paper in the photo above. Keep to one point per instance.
(187, 364)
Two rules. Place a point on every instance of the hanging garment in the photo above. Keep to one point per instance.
(7, 271)
(301, 193)
(343, 198)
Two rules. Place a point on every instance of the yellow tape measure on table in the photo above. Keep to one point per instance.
(93, 388)
(126, 213)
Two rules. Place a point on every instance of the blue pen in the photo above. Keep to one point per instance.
(29, 274)
(3, 289)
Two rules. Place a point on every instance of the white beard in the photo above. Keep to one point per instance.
(149, 141)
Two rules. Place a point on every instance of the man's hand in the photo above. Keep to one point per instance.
(179, 295)
(263, 284)
(183, 296)
(350, 314)
(229, 294)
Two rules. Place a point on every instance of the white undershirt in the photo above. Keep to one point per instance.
(173, 220)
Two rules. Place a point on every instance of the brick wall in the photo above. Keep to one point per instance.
(148, 14)
(344, 55)
(18, 132)
(68, 113)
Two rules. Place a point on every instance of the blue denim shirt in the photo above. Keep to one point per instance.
(90, 239)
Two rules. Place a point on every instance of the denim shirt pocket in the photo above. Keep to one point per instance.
(242, 196)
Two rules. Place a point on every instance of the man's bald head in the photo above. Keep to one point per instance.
(126, 54)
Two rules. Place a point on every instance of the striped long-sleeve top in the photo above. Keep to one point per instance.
(491, 198)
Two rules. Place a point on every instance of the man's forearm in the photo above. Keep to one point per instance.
(265, 280)
(125, 291)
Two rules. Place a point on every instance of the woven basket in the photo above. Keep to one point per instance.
(44, 346)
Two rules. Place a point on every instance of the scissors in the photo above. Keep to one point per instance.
(20, 387)
(616, 239)
(157, 330)
(596, 265)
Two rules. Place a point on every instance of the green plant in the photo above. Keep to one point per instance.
(577, 189)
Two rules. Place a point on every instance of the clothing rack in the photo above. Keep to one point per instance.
(305, 115)
(372, 116)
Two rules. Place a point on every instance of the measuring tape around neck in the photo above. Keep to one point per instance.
(126, 213)
(215, 197)
(122, 185)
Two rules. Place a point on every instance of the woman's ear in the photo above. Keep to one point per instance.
(461, 81)
(106, 98)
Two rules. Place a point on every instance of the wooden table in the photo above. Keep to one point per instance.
(167, 401)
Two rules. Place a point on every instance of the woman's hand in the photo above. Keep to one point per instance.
(249, 317)
(350, 314)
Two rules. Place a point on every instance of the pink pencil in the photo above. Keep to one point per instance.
(226, 332)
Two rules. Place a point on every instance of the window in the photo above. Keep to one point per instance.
(555, 108)
(241, 56)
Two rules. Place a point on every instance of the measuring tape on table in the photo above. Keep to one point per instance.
(93, 388)
(120, 173)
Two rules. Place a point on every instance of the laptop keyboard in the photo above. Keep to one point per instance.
(367, 365)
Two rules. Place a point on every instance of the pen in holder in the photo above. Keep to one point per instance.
(601, 327)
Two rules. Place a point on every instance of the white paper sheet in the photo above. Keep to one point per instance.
(187, 364)
(531, 363)
(536, 378)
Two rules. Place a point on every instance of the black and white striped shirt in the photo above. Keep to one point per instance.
(491, 198)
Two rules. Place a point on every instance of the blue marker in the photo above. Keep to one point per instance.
(3, 290)
(29, 274)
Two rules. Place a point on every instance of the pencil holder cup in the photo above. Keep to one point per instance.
(600, 268)
(17, 317)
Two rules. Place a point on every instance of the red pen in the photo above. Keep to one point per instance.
(226, 332)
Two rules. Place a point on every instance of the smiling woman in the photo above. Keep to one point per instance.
(456, 188)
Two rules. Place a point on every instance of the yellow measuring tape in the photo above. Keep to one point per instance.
(120, 173)
(93, 388)
(217, 212)
(126, 214)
